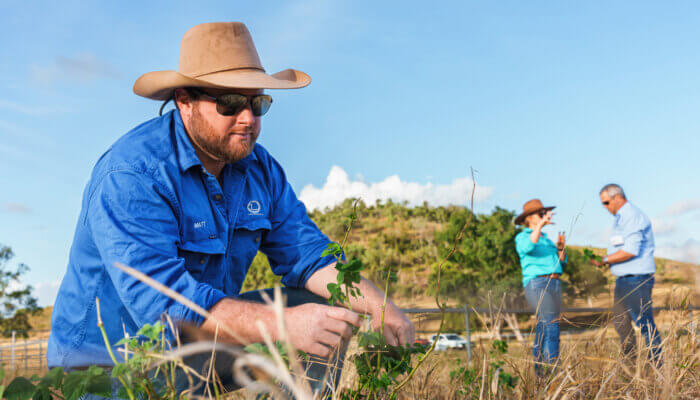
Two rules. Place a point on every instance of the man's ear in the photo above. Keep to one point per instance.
(183, 102)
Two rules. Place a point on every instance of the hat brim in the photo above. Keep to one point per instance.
(521, 218)
(159, 85)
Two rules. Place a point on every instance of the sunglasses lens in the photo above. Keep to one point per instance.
(230, 104)
(260, 104)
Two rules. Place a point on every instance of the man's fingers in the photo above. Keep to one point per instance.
(390, 336)
(329, 339)
(320, 350)
(344, 315)
(337, 326)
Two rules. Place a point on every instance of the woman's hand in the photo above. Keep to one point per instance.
(561, 241)
(546, 219)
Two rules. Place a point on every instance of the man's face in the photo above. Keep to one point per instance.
(223, 138)
(612, 204)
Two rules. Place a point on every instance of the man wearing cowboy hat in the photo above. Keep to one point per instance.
(189, 198)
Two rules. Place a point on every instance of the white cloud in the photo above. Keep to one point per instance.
(663, 226)
(82, 68)
(46, 292)
(683, 207)
(688, 251)
(17, 208)
(339, 187)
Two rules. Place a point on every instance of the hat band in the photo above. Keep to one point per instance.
(255, 67)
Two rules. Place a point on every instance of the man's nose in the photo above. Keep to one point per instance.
(245, 116)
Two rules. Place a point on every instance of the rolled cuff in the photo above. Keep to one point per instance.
(204, 296)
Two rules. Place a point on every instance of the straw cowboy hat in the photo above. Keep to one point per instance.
(217, 55)
(531, 207)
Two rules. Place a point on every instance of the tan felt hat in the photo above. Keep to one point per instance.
(217, 55)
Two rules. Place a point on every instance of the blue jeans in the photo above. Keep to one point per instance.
(544, 297)
(317, 369)
(633, 303)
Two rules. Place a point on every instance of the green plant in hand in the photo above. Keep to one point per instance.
(348, 273)
(589, 255)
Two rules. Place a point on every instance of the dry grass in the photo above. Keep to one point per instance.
(590, 367)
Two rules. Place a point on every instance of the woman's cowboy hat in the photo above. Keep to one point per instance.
(217, 55)
(531, 207)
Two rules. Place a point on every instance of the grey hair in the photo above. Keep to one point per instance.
(613, 189)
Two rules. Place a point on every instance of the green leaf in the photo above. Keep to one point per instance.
(331, 249)
(53, 378)
(74, 385)
(42, 393)
(100, 385)
(19, 389)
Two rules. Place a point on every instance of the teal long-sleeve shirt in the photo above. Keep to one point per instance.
(536, 259)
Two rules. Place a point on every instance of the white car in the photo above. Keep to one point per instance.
(449, 341)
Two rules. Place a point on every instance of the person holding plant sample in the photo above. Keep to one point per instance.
(630, 257)
(541, 261)
(188, 199)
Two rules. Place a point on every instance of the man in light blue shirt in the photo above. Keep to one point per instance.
(631, 259)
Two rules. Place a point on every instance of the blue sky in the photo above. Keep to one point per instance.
(543, 99)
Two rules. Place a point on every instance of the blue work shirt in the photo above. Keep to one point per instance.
(632, 233)
(541, 258)
(151, 205)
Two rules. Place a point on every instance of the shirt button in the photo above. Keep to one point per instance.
(217, 197)
(202, 260)
(257, 239)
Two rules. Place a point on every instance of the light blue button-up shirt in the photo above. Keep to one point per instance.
(150, 204)
(632, 233)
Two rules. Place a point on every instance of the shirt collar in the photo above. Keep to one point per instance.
(623, 210)
(185, 153)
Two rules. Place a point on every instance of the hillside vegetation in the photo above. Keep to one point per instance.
(411, 241)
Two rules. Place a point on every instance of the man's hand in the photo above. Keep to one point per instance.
(317, 328)
(597, 263)
(398, 329)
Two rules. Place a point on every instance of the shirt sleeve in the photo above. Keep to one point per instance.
(633, 236)
(294, 244)
(523, 244)
(132, 221)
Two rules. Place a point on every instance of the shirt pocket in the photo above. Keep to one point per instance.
(248, 235)
(200, 253)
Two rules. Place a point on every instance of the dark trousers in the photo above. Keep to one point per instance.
(633, 304)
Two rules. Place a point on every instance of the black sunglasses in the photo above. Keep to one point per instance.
(233, 103)
(605, 203)
(542, 213)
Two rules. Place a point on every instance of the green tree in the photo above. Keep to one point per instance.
(16, 300)
(485, 261)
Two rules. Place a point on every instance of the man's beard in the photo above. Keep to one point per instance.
(217, 146)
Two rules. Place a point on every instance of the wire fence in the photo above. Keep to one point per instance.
(24, 355)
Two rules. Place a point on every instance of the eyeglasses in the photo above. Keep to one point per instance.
(233, 103)
(605, 203)
(542, 213)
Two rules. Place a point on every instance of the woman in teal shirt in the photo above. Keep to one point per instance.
(541, 261)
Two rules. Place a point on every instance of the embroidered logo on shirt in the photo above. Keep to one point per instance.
(253, 207)
(200, 224)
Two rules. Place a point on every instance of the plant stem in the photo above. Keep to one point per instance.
(109, 348)
(437, 294)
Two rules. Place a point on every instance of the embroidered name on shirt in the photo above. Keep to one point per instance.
(253, 207)
(200, 224)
